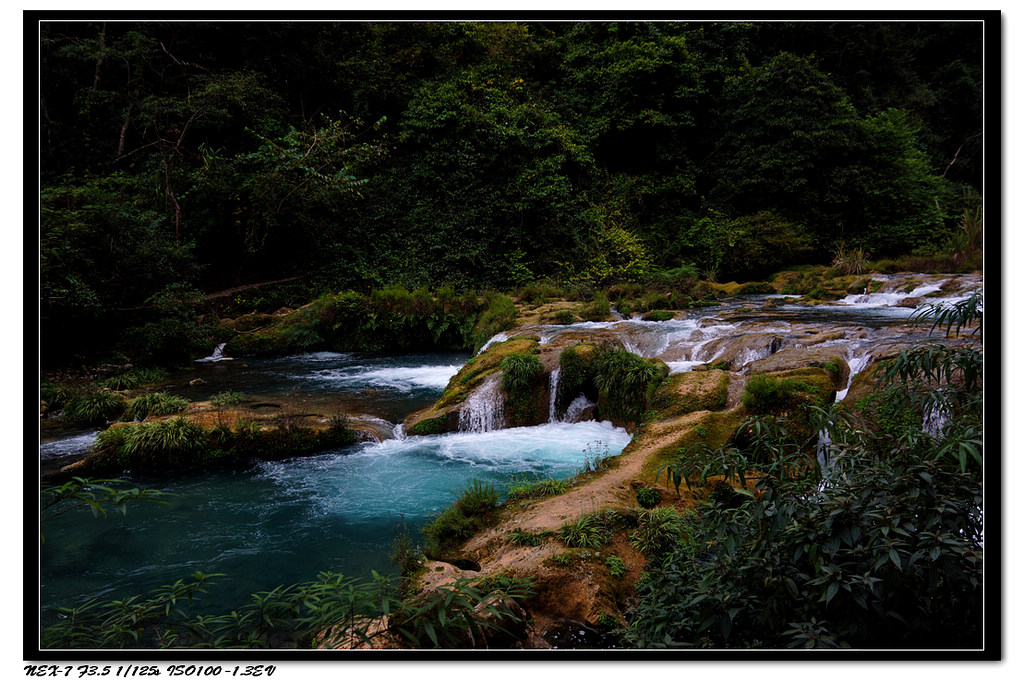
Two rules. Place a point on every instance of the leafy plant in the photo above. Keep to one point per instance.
(616, 566)
(658, 529)
(154, 404)
(648, 497)
(94, 407)
(589, 531)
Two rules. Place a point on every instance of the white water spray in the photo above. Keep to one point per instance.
(483, 411)
(553, 397)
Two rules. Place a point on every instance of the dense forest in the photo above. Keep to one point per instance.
(180, 159)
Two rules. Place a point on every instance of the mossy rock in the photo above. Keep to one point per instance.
(689, 392)
(831, 359)
(714, 429)
(659, 316)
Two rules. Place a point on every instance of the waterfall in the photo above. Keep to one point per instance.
(499, 337)
(856, 363)
(575, 408)
(553, 390)
(399, 433)
(217, 356)
(483, 411)
(934, 421)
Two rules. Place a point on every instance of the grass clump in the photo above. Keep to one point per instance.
(94, 408)
(133, 378)
(658, 530)
(526, 538)
(648, 497)
(538, 489)
(154, 404)
(589, 531)
(175, 442)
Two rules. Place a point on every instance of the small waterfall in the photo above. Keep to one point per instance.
(499, 337)
(934, 422)
(399, 433)
(483, 411)
(553, 390)
(217, 356)
(856, 362)
(575, 408)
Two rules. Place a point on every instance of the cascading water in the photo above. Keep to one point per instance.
(856, 360)
(499, 337)
(553, 396)
(217, 355)
(483, 411)
(575, 408)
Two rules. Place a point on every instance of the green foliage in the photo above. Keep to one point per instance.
(164, 444)
(765, 394)
(885, 550)
(93, 408)
(657, 531)
(589, 531)
(616, 566)
(430, 426)
(537, 489)
(526, 538)
(625, 382)
(154, 404)
(659, 316)
(499, 315)
(520, 373)
(133, 378)
(521, 376)
(849, 260)
(226, 398)
(96, 495)
(295, 615)
(473, 505)
(796, 555)
(404, 551)
(648, 497)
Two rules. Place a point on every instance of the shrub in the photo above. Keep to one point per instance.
(477, 498)
(161, 444)
(648, 497)
(625, 382)
(767, 394)
(460, 520)
(657, 531)
(94, 408)
(597, 310)
(520, 372)
(133, 378)
(154, 404)
(589, 531)
(565, 317)
(499, 315)
(616, 566)
(848, 260)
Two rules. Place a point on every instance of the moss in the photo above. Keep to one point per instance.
(691, 391)
(432, 426)
(781, 392)
(717, 430)
(659, 316)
